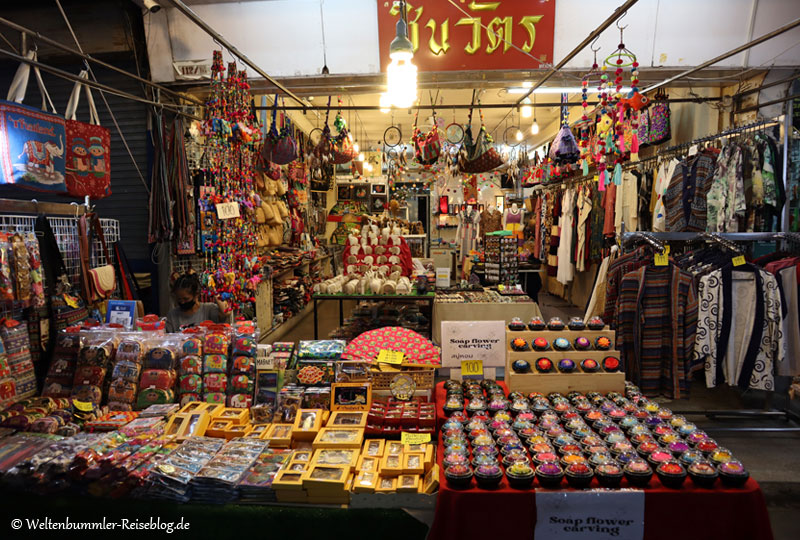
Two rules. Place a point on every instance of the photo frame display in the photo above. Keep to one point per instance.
(351, 396)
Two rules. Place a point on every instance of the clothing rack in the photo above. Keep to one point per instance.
(662, 152)
(727, 240)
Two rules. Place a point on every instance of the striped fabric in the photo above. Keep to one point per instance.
(685, 197)
(657, 319)
(623, 265)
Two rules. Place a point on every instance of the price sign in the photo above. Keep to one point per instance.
(84, 406)
(390, 357)
(415, 438)
(590, 515)
(738, 261)
(662, 259)
(471, 367)
(228, 210)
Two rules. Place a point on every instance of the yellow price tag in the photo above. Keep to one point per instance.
(738, 260)
(661, 259)
(471, 367)
(415, 438)
(84, 406)
(390, 357)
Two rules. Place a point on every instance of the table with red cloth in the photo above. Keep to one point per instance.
(669, 514)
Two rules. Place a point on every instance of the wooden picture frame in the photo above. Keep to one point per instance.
(374, 448)
(365, 482)
(336, 437)
(394, 448)
(414, 462)
(344, 192)
(297, 466)
(408, 483)
(326, 476)
(367, 463)
(303, 455)
(288, 480)
(392, 465)
(430, 482)
(307, 424)
(279, 436)
(347, 419)
(351, 396)
(386, 484)
(345, 457)
(217, 428)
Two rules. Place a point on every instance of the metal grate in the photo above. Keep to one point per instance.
(66, 233)
(183, 263)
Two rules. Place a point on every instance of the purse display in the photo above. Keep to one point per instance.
(478, 155)
(99, 282)
(88, 165)
(32, 155)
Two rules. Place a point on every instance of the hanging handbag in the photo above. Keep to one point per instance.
(427, 147)
(279, 147)
(478, 155)
(88, 150)
(67, 308)
(660, 129)
(32, 153)
(101, 281)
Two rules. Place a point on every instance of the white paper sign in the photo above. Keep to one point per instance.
(473, 340)
(590, 515)
(227, 210)
(191, 70)
(442, 278)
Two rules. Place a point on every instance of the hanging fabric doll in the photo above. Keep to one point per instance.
(564, 148)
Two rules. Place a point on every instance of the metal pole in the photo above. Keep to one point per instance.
(88, 82)
(60, 46)
(459, 106)
(728, 54)
(195, 18)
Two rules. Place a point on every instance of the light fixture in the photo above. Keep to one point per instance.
(534, 128)
(385, 104)
(527, 84)
(355, 147)
(526, 110)
(519, 135)
(361, 156)
(401, 74)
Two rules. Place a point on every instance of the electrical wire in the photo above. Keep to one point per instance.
(105, 101)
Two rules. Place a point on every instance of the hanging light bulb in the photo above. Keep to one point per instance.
(527, 110)
(355, 147)
(534, 128)
(401, 74)
(361, 156)
(519, 135)
(385, 103)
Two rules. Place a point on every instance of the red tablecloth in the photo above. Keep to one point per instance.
(688, 512)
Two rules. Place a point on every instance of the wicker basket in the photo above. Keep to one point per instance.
(423, 377)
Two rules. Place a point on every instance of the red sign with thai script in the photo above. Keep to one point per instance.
(471, 34)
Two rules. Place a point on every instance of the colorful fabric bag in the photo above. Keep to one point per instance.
(32, 153)
(88, 165)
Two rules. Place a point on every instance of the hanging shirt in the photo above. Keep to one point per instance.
(790, 325)
(597, 299)
(584, 209)
(566, 269)
(467, 232)
(663, 178)
(685, 198)
(726, 198)
(739, 336)
(657, 318)
(609, 203)
(625, 207)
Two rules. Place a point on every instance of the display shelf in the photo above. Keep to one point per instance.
(578, 381)
(278, 332)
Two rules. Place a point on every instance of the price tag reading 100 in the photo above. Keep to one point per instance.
(471, 368)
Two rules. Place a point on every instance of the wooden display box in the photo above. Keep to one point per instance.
(307, 424)
(556, 381)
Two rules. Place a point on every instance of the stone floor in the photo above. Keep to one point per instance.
(773, 457)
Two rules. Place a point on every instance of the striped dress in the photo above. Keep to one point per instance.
(657, 319)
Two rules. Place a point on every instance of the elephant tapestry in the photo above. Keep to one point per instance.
(31, 148)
